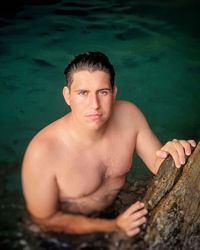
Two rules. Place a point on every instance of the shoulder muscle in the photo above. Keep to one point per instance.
(38, 180)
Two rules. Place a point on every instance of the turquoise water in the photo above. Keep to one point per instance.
(154, 46)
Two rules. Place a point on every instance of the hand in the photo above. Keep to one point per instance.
(130, 220)
(178, 149)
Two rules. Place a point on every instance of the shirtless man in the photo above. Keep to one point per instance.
(77, 165)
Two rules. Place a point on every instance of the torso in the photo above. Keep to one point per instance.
(93, 178)
(89, 177)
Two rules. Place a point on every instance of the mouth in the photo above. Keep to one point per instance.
(95, 116)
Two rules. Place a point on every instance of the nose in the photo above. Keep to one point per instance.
(95, 103)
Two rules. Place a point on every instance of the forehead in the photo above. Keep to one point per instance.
(85, 78)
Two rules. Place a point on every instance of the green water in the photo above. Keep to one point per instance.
(154, 46)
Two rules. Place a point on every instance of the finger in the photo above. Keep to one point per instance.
(171, 149)
(192, 143)
(137, 223)
(133, 232)
(139, 214)
(162, 154)
(187, 146)
(135, 207)
(180, 151)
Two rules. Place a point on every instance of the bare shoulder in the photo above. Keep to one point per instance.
(42, 148)
(39, 170)
(127, 106)
(129, 112)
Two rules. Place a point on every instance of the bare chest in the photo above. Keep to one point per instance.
(93, 173)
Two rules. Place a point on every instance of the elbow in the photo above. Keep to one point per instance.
(40, 222)
(44, 223)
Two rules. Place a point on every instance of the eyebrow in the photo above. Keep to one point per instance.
(104, 89)
(78, 90)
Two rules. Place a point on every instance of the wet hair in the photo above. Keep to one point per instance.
(90, 61)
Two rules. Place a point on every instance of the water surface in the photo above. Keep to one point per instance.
(154, 46)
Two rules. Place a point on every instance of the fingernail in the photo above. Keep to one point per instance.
(183, 162)
(188, 152)
(164, 154)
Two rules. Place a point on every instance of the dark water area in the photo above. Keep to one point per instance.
(18, 232)
(154, 47)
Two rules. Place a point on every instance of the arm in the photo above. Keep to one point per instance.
(153, 153)
(75, 224)
(128, 222)
(147, 144)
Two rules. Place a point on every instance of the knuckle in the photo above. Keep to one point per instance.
(177, 144)
(168, 143)
(184, 143)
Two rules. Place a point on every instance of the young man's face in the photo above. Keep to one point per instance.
(90, 98)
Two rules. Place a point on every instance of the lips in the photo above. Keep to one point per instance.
(94, 116)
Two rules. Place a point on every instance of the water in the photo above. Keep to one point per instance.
(18, 232)
(154, 46)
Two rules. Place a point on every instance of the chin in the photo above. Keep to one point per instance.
(97, 125)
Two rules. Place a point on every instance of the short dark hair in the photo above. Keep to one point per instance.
(90, 61)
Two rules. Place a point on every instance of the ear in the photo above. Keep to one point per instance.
(114, 91)
(66, 95)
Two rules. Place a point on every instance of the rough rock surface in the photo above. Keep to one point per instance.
(173, 201)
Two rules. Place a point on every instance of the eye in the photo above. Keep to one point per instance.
(83, 92)
(103, 92)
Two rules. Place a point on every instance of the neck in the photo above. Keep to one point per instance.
(86, 135)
